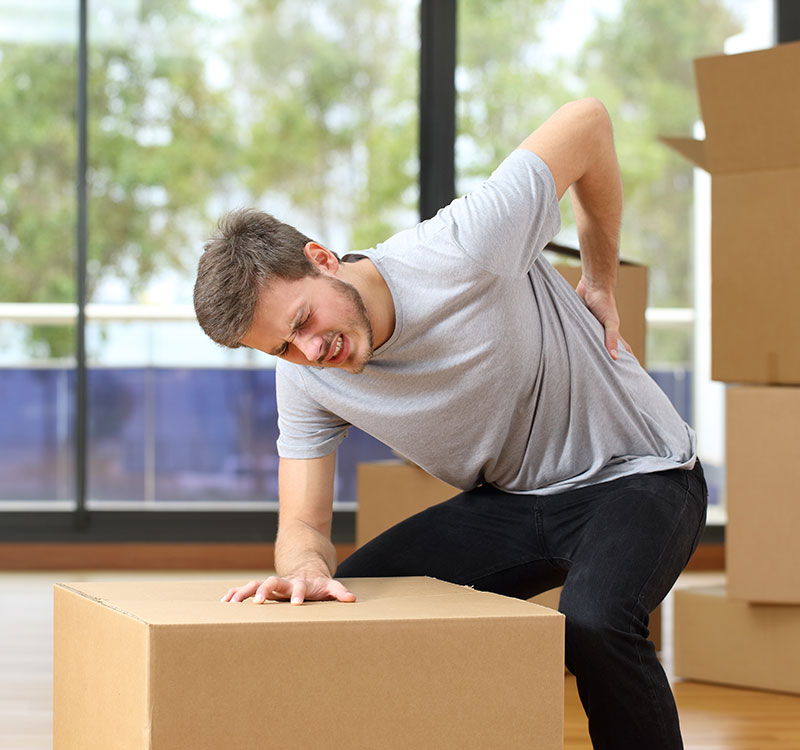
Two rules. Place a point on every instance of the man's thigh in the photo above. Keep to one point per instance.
(483, 538)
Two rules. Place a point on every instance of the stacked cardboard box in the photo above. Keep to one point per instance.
(751, 109)
(750, 105)
(747, 635)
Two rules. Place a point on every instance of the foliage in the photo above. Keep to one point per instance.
(332, 105)
(312, 105)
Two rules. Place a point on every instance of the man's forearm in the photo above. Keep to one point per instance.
(597, 202)
(302, 550)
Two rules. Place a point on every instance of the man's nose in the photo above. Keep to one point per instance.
(311, 345)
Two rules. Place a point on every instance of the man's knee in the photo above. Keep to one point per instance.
(596, 626)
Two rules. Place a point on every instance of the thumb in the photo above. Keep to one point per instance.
(338, 590)
(612, 339)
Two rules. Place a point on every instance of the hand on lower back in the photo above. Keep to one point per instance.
(603, 305)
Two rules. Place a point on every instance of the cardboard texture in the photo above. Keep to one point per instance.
(763, 500)
(722, 640)
(631, 303)
(391, 491)
(415, 662)
(750, 105)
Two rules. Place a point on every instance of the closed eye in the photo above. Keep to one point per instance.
(285, 347)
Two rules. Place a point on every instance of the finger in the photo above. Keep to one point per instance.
(228, 594)
(243, 592)
(273, 587)
(298, 592)
(338, 590)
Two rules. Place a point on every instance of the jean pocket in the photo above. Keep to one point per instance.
(679, 477)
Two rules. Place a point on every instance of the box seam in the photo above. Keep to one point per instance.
(103, 602)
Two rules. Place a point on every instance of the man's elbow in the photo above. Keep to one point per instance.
(592, 112)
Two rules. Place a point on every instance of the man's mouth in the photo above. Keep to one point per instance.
(335, 349)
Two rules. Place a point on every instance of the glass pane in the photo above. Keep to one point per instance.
(38, 55)
(305, 109)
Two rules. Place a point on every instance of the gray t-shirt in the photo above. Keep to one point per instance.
(496, 371)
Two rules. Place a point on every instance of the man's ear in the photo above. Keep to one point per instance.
(321, 258)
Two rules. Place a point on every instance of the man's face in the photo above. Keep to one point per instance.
(319, 321)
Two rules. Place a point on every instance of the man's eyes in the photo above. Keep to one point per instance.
(285, 348)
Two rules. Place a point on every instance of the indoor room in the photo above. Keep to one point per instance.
(399, 374)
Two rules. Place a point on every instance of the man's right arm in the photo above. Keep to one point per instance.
(305, 558)
(577, 144)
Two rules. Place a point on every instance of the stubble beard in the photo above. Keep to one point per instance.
(359, 321)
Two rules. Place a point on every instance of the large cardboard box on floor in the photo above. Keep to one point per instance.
(413, 663)
(723, 640)
(750, 105)
(391, 491)
(763, 499)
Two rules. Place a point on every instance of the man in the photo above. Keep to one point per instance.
(458, 344)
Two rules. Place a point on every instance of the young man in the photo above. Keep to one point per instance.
(458, 344)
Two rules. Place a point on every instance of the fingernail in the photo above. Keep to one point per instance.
(258, 599)
(614, 353)
(296, 600)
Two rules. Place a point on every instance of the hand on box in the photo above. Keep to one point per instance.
(297, 588)
(603, 306)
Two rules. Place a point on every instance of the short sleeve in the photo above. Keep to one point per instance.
(306, 429)
(504, 224)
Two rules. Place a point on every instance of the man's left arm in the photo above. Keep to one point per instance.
(577, 144)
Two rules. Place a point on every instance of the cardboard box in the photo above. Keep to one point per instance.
(391, 491)
(631, 302)
(750, 105)
(722, 640)
(763, 499)
(415, 662)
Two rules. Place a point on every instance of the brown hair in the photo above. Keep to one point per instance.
(249, 249)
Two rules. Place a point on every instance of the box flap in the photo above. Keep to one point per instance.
(689, 148)
(198, 602)
(750, 104)
(575, 253)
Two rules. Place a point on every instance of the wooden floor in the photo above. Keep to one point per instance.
(712, 717)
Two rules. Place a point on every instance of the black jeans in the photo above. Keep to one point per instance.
(617, 547)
